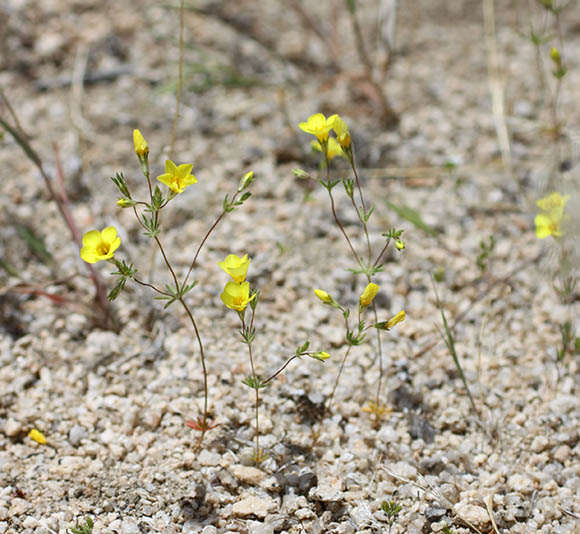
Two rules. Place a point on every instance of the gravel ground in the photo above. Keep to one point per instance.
(113, 404)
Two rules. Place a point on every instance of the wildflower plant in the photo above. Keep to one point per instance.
(103, 245)
(555, 221)
(237, 296)
(367, 263)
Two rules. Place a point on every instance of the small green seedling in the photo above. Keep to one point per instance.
(87, 528)
(391, 509)
(485, 250)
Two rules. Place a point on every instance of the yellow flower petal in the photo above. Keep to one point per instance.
(236, 267)
(237, 296)
(317, 125)
(341, 130)
(92, 238)
(37, 436)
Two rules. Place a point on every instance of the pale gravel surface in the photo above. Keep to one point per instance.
(113, 406)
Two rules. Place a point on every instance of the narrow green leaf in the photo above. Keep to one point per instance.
(413, 217)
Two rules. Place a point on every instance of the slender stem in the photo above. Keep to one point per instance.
(329, 405)
(256, 389)
(337, 220)
(379, 342)
(266, 382)
(179, 77)
(202, 355)
(167, 262)
(380, 347)
(13, 114)
(212, 228)
(157, 290)
(382, 252)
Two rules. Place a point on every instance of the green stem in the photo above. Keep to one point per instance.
(205, 385)
(256, 388)
(146, 284)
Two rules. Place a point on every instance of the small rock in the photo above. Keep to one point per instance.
(108, 436)
(435, 514)
(254, 506)
(247, 475)
(12, 428)
(521, 483)
(76, 434)
(30, 522)
(472, 513)
(328, 492)
(151, 417)
(562, 453)
(209, 529)
(256, 527)
(208, 458)
(539, 443)
(128, 527)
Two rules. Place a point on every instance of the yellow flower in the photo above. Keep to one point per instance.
(236, 267)
(99, 246)
(387, 325)
(324, 296)
(341, 130)
(37, 436)
(140, 144)
(177, 178)
(368, 295)
(553, 201)
(548, 224)
(237, 296)
(400, 244)
(317, 125)
(333, 149)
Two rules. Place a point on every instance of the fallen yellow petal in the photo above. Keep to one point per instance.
(37, 436)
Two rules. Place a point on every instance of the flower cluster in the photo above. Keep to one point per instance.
(320, 126)
(549, 222)
(236, 294)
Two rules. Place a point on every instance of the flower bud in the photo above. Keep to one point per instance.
(303, 175)
(324, 296)
(400, 244)
(387, 325)
(126, 203)
(368, 295)
(320, 356)
(246, 181)
(140, 144)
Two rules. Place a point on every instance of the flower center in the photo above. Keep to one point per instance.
(239, 301)
(103, 248)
